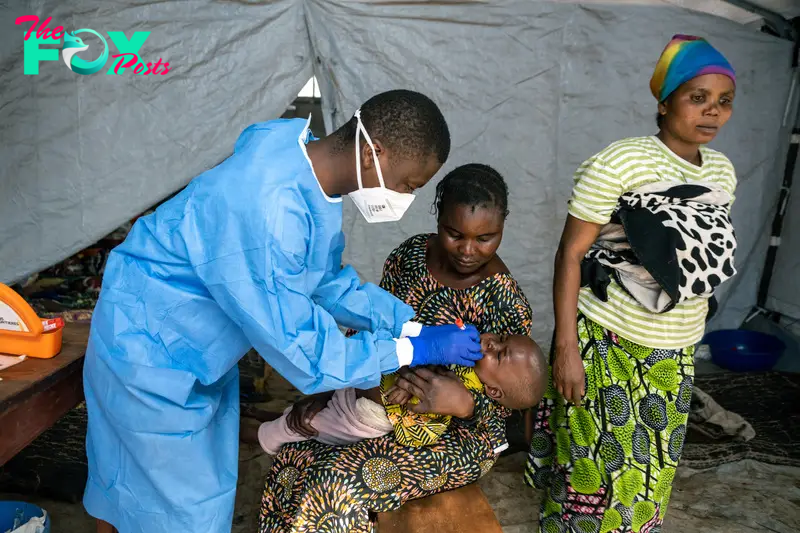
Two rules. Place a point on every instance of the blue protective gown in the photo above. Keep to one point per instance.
(248, 255)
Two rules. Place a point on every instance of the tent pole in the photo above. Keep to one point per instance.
(783, 202)
(786, 186)
(781, 26)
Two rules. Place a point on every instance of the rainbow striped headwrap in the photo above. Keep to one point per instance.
(685, 58)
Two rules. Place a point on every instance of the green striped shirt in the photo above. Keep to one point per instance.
(599, 182)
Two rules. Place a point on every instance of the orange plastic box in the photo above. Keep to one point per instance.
(22, 331)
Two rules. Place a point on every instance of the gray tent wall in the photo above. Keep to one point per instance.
(531, 88)
(534, 89)
(79, 155)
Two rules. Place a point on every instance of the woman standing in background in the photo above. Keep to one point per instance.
(609, 433)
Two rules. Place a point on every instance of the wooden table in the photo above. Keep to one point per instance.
(35, 393)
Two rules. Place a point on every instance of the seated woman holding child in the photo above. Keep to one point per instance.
(426, 430)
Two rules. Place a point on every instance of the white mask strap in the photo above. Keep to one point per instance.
(361, 129)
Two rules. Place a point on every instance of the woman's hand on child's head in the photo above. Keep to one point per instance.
(304, 411)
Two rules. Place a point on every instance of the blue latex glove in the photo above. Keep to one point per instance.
(437, 330)
(427, 329)
(446, 345)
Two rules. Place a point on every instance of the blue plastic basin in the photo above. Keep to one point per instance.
(742, 350)
(8, 510)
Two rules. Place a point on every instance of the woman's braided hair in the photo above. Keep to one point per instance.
(471, 185)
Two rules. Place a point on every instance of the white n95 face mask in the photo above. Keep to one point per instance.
(377, 204)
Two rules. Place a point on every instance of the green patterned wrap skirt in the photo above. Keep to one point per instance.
(608, 465)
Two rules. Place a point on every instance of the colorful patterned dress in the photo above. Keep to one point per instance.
(423, 429)
(608, 465)
(317, 488)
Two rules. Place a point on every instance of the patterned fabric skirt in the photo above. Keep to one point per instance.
(315, 488)
(608, 465)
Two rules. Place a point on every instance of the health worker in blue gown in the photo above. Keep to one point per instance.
(248, 255)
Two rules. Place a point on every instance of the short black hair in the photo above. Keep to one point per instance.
(409, 123)
(471, 185)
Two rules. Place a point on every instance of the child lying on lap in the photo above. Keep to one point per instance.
(512, 372)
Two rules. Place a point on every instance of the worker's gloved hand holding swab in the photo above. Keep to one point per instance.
(445, 345)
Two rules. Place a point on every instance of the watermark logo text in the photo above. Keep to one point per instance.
(127, 56)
